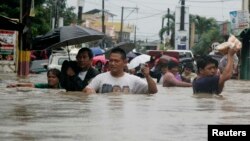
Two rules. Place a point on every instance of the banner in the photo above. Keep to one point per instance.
(8, 40)
(181, 36)
(239, 20)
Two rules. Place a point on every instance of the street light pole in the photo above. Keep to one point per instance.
(182, 15)
(103, 17)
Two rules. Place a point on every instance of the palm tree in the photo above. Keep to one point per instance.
(203, 24)
(207, 31)
(169, 28)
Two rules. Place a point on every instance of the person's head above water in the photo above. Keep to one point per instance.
(53, 76)
(117, 61)
(207, 66)
(84, 58)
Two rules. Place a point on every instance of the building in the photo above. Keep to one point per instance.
(93, 19)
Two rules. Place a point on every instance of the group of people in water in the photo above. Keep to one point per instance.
(80, 75)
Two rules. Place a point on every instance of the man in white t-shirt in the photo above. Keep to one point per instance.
(116, 80)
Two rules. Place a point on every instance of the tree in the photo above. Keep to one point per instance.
(206, 40)
(207, 31)
(168, 29)
(44, 9)
(202, 24)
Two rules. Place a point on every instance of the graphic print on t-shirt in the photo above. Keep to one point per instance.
(107, 88)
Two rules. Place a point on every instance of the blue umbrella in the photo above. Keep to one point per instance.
(97, 51)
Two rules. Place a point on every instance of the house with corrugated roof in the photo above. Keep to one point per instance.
(93, 19)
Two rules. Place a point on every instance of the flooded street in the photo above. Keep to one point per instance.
(172, 114)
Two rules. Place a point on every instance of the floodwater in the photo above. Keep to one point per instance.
(173, 114)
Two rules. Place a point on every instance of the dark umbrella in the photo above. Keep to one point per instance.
(132, 55)
(67, 35)
(9, 24)
(126, 46)
(186, 59)
(44, 41)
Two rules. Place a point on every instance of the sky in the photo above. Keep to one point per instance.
(148, 18)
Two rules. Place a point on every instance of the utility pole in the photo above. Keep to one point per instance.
(121, 39)
(103, 18)
(135, 36)
(182, 15)
(122, 20)
(168, 22)
(19, 56)
(80, 9)
(55, 15)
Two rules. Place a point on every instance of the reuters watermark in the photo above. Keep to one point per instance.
(236, 132)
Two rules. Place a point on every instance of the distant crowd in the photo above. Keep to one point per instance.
(80, 75)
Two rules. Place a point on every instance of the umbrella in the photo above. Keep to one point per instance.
(141, 59)
(99, 58)
(126, 46)
(186, 59)
(165, 59)
(97, 51)
(44, 41)
(132, 55)
(65, 36)
(9, 24)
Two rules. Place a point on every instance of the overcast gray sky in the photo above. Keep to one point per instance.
(148, 18)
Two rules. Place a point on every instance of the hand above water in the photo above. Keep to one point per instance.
(145, 70)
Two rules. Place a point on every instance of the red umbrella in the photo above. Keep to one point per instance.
(101, 59)
(165, 59)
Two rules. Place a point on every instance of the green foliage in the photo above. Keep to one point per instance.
(202, 24)
(170, 28)
(206, 40)
(208, 33)
(10, 9)
(44, 9)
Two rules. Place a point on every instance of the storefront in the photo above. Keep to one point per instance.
(8, 45)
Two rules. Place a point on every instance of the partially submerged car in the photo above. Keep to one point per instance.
(56, 59)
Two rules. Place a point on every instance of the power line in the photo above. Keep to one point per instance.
(147, 16)
(143, 5)
(160, 13)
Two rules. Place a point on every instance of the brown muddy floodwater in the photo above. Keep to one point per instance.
(173, 114)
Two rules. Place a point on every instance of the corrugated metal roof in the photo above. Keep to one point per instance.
(94, 11)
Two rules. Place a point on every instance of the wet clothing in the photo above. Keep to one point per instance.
(91, 73)
(106, 83)
(78, 82)
(208, 84)
(73, 83)
(45, 86)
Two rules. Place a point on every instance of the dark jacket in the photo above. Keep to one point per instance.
(74, 83)
(89, 76)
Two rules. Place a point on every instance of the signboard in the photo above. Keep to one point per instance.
(7, 45)
(181, 36)
(239, 20)
(181, 40)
